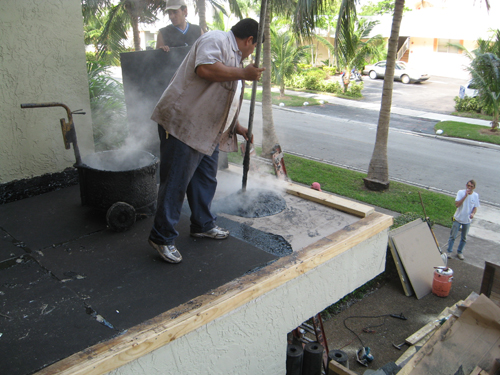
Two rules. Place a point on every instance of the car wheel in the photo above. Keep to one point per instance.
(405, 79)
(373, 74)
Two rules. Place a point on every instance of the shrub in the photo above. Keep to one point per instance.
(108, 108)
(303, 66)
(405, 218)
(312, 83)
(467, 104)
(333, 87)
(330, 70)
(318, 73)
(355, 90)
(295, 81)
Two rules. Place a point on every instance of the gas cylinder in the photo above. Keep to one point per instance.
(441, 284)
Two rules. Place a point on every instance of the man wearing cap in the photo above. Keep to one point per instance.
(180, 33)
(197, 113)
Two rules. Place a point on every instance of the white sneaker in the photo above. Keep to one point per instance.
(169, 253)
(216, 233)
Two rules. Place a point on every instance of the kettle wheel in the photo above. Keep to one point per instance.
(120, 217)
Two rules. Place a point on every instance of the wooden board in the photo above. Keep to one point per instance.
(335, 368)
(341, 204)
(405, 281)
(455, 310)
(430, 327)
(490, 285)
(403, 277)
(469, 342)
(419, 254)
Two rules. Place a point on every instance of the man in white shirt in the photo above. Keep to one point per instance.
(197, 114)
(467, 202)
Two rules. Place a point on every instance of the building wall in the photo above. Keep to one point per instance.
(42, 59)
(252, 339)
(424, 57)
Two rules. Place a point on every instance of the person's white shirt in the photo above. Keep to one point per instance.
(462, 214)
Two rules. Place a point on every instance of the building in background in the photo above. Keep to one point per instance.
(427, 31)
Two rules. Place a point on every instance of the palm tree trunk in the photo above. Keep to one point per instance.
(202, 14)
(269, 137)
(378, 170)
(135, 32)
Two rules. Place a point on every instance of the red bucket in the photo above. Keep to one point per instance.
(441, 284)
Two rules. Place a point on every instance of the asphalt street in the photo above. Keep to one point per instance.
(343, 132)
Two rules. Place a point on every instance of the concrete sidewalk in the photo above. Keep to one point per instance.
(376, 107)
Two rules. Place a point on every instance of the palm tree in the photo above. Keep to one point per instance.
(285, 56)
(485, 71)
(362, 47)
(123, 14)
(378, 170)
(269, 137)
(201, 9)
(93, 28)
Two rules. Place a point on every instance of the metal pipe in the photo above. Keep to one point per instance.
(246, 159)
(68, 127)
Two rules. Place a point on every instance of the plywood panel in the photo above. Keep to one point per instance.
(419, 254)
(405, 281)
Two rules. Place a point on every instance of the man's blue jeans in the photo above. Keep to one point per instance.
(454, 233)
(183, 171)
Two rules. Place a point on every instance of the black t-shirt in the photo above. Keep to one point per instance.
(173, 37)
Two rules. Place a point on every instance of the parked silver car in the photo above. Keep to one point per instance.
(468, 90)
(402, 72)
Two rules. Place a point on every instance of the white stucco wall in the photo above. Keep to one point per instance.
(423, 57)
(42, 59)
(252, 339)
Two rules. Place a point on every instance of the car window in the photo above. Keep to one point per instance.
(472, 86)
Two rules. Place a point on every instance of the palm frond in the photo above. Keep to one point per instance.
(345, 25)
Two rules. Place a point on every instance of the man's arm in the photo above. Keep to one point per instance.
(219, 72)
(160, 44)
(460, 202)
(473, 212)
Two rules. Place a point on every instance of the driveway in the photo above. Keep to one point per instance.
(434, 95)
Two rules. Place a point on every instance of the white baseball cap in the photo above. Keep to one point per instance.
(175, 4)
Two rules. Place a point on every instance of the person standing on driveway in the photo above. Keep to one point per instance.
(180, 33)
(196, 113)
(467, 203)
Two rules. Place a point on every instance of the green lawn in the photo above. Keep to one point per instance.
(289, 101)
(468, 131)
(399, 197)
